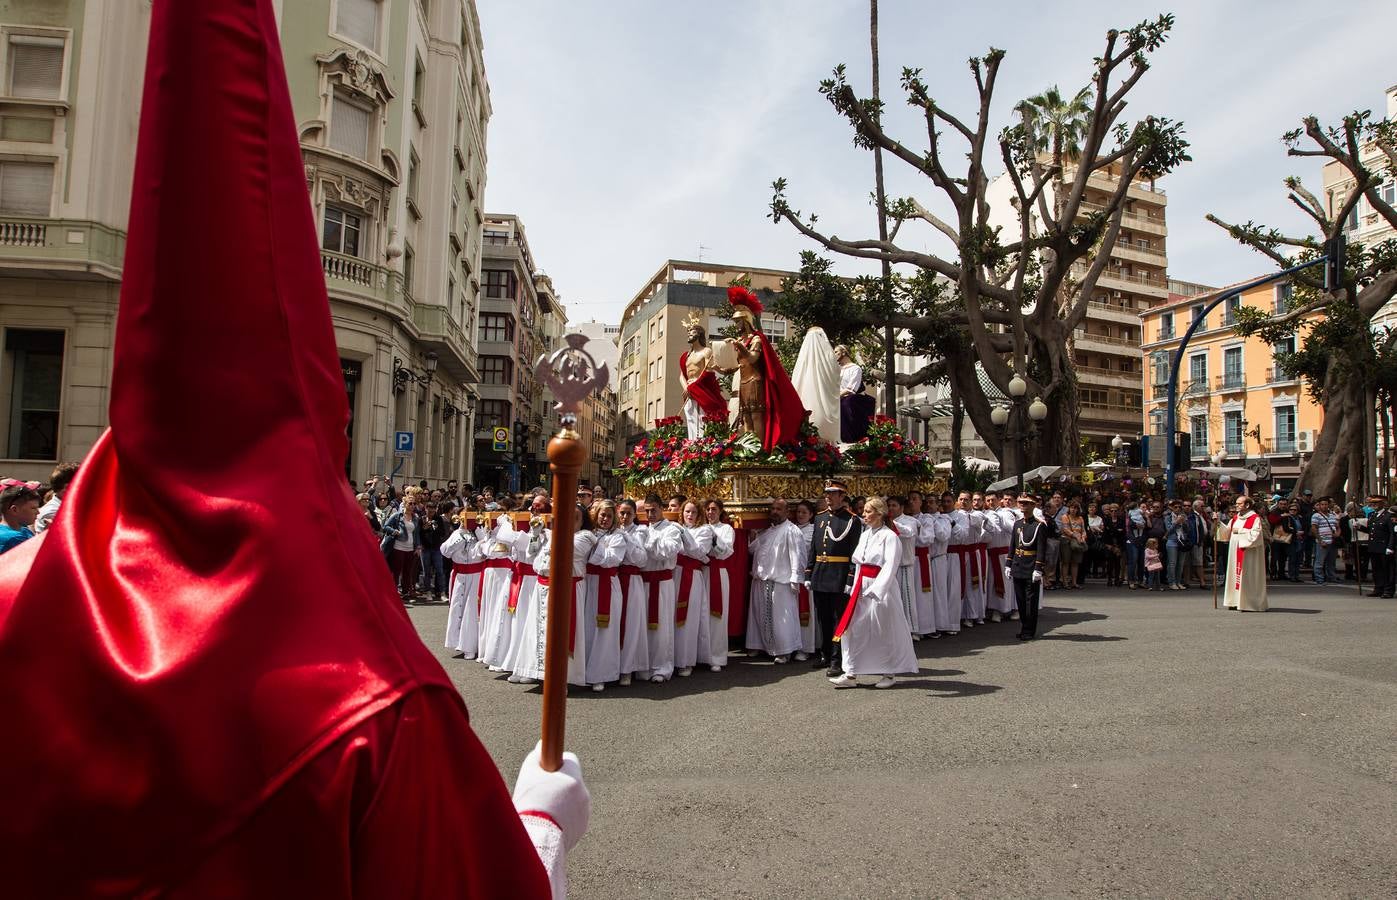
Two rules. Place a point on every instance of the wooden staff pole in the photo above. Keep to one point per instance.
(565, 458)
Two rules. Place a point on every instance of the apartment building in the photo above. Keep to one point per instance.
(1106, 346)
(392, 107)
(1232, 396)
(1363, 224)
(652, 335)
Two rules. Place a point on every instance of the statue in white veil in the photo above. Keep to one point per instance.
(816, 378)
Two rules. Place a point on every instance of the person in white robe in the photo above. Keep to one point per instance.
(924, 620)
(961, 548)
(525, 549)
(976, 587)
(778, 568)
(464, 548)
(875, 639)
(496, 579)
(713, 639)
(804, 517)
(1246, 560)
(906, 528)
(635, 650)
(816, 379)
(945, 574)
(663, 542)
(999, 527)
(602, 611)
(691, 596)
(534, 638)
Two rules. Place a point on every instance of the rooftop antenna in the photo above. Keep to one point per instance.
(700, 251)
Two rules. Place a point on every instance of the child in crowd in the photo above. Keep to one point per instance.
(1153, 566)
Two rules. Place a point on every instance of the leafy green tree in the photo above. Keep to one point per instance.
(1348, 366)
(988, 307)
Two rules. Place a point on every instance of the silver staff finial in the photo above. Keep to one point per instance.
(572, 374)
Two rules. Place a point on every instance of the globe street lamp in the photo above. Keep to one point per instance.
(1008, 421)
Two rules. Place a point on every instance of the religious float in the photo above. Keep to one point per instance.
(770, 445)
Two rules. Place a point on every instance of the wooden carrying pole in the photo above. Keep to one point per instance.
(565, 458)
(571, 374)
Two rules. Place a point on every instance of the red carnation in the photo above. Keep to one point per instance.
(790, 457)
(811, 455)
(727, 452)
(880, 464)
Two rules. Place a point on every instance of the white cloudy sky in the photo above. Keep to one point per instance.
(628, 132)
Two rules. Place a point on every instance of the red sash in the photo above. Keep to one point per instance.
(470, 568)
(865, 571)
(803, 604)
(967, 578)
(924, 566)
(626, 573)
(516, 581)
(997, 568)
(716, 594)
(706, 392)
(689, 565)
(1241, 554)
(652, 603)
(485, 566)
(603, 574)
(572, 612)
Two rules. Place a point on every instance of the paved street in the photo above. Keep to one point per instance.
(1146, 746)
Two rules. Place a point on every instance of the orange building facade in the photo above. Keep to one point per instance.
(1232, 396)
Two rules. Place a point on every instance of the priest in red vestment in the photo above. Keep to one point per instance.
(211, 688)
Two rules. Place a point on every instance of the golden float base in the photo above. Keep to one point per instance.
(749, 490)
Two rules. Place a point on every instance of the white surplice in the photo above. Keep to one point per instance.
(464, 547)
(878, 640)
(960, 565)
(494, 618)
(635, 649)
(534, 631)
(907, 576)
(778, 568)
(525, 549)
(973, 588)
(696, 544)
(945, 577)
(713, 639)
(604, 639)
(924, 621)
(663, 540)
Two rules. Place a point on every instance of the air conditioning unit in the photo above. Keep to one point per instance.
(1305, 441)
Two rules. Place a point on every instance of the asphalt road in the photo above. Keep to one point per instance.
(1145, 746)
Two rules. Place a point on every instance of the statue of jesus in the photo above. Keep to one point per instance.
(703, 398)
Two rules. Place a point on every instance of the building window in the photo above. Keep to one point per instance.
(1229, 316)
(499, 284)
(1232, 431)
(419, 86)
(33, 370)
(1284, 293)
(26, 189)
(36, 66)
(1198, 369)
(358, 20)
(496, 370)
(496, 327)
(409, 259)
(1166, 325)
(413, 165)
(493, 413)
(1157, 422)
(1285, 430)
(1351, 223)
(774, 327)
(1198, 315)
(341, 232)
(1198, 435)
(349, 128)
(1232, 374)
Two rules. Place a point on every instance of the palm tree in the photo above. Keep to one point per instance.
(1056, 126)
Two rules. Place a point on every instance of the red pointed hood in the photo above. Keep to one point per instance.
(209, 607)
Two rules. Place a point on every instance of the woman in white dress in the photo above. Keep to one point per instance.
(635, 655)
(713, 640)
(809, 622)
(534, 638)
(691, 595)
(526, 547)
(465, 549)
(907, 528)
(604, 603)
(873, 634)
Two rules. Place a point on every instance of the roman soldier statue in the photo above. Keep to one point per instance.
(767, 403)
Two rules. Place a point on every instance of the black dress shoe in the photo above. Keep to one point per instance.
(1025, 637)
(834, 671)
(819, 661)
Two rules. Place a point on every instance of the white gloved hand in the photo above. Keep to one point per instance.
(1007, 577)
(1389, 551)
(1037, 576)
(561, 796)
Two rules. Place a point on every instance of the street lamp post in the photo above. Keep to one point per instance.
(1009, 421)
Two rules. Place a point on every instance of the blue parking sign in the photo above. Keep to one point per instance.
(402, 443)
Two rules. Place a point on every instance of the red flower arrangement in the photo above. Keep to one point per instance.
(887, 449)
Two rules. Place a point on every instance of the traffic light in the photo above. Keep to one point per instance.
(1183, 451)
(1335, 256)
(521, 437)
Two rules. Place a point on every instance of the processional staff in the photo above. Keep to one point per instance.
(572, 375)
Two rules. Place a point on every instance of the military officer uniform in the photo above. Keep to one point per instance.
(1380, 546)
(827, 571)
(1027, 548)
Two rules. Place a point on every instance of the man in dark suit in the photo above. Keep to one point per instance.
(827, 570)
(1380, 546)
(1027, 546)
